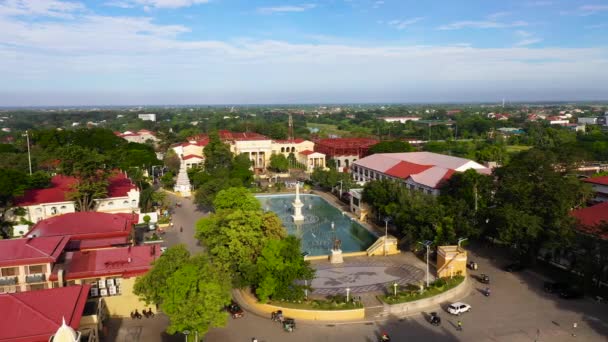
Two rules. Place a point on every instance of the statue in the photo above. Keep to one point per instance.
(337, 244)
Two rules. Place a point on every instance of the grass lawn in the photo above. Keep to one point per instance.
(517, 148)
(412, 293)
(328, 129)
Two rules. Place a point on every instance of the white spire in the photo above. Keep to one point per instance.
(65, 333)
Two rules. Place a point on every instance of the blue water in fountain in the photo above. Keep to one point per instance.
(315, 232)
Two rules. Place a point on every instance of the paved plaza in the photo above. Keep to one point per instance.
(364, 274)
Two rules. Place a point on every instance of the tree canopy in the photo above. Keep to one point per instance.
(391, 146)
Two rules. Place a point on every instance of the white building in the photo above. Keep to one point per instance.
(141, 137)
(400, 119)
(40, 204)
(147, 117)
(424, 171)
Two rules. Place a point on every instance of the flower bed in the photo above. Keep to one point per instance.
(412, 293)
(331, 303)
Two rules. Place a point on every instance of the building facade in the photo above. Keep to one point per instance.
(344, 151)
(423, 171)
(600, 188)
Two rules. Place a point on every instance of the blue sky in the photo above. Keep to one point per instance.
(56, 52)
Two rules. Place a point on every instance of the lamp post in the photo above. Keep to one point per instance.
(347, 294)
(461, 240)
(386, 220)
(427, 244)
(395, 288)
(29, 155)
(451, 271)
(186, 333)
(340, 188)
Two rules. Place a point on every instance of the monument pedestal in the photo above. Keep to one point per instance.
(336, 256)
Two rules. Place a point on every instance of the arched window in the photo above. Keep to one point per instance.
(338, 163)
(125, 202)
(53, 210)
(346, 162)
(293, 149)
(282, 149)
(111, 203)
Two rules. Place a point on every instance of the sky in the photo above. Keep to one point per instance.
(154, 52)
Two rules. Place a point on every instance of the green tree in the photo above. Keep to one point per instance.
(12, 184)
(218, 157)
(236, 198)
(278, 267)
(533, 200)
(278, 163)
(168, 180)
(171, 161)
(90, 169)
(391, 146)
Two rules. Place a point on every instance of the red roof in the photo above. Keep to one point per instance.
(404, 169)
(86, 225)
(82, 245)
(597, 180)
(34, 316)
(192, 156)
(125, 261)
(40, 250)
(119, 186)
(203, 139)
(591, 219)
(307, 152)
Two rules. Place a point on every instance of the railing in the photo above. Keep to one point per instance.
(8, 281)
(35, 278)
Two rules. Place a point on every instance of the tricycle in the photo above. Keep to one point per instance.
(289, 324)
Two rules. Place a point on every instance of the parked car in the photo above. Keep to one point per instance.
(458, 308)
(514, 267)
(555, 287)
(235, 310)
(484, 278)
(571, 293)
(472, 265)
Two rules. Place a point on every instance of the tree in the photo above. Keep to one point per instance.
(278, 163)
(171, 161)
(167, 180)
(533, 200)
(278, 267)
(236, 198)
(391, 146)
(195, 296)
(12, 183)
(218, 157)
(89, 169)
(191, 291)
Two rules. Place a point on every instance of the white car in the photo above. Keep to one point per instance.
(458, 308)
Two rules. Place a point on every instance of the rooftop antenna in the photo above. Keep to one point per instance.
(290, 124)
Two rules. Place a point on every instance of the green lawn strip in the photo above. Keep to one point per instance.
(412, 293)
(321, 304)
(517, 148)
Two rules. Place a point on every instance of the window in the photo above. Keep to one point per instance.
(346, 162)
(293, 149)
(9, 272)
(36, 269)
(62, 207)
(282, 149)
(53, 210)
(125, 202)
(111, 203)
(36, 287)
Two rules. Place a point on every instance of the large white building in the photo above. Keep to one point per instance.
(147, 117)
(141, 137)
(424, 171)
(257, 147)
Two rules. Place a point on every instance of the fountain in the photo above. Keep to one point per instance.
(336, 251)
(297, 206)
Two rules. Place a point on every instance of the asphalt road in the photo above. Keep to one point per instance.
(517, 310)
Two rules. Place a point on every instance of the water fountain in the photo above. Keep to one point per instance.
(297, 206)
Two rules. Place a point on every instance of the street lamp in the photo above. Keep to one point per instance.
(427, 244)
(395, 288)
(186, 333)
(29, 155)
(461, 240)
(386, 220)
(340, 189)
(347, 293)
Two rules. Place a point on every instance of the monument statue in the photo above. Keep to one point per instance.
(337, 244)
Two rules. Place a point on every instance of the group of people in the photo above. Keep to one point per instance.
(136, 315)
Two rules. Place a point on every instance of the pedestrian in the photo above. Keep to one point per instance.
(181, 229)
(254, 340)
(459, 325)
(574, 325)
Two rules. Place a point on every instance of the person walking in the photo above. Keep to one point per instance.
(181, 229)
(574, 326)
(459, 325)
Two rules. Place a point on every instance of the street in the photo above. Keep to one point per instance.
(517, 310)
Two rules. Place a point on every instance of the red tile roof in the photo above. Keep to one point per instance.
(34, 316)
(593, 220)
(124, 261)
(404, 169)
(192, 156)
(119, 186)
(86, 225)
(40, 250)
(597, 180)
(82, 245)
(307, 152)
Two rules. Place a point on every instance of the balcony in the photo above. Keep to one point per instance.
(8, 281)
(35, 278)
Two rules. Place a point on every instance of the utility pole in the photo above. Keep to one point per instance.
(427, 244)
(29, 155)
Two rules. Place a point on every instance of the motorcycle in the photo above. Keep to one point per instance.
(486, 292)
(384, 338)
(277, 316)
(435, 319)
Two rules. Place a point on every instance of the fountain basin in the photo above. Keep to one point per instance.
(315, 230)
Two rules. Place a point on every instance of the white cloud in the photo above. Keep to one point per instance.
(286, 9)
(497, 15)
(378, 3)
(43, 8)
(149, 4)
(538, 3)
(483, 24)
(523, 33)
(402, 24)
(529, 41)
